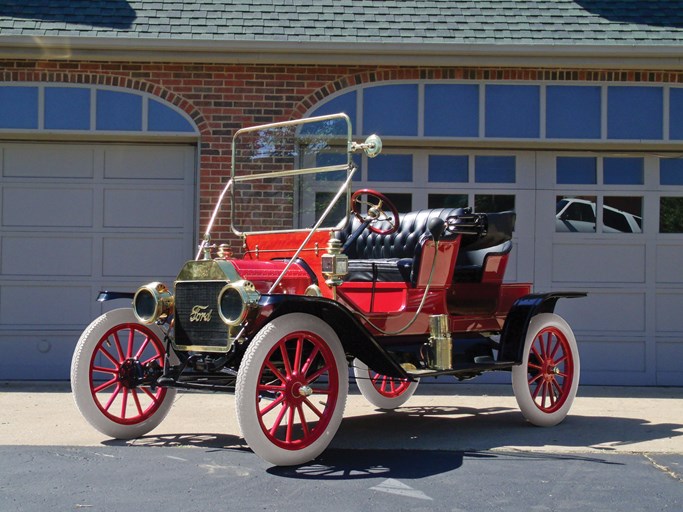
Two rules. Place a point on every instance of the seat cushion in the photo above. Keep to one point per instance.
(387, 270)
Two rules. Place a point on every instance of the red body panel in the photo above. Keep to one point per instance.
(386, 308)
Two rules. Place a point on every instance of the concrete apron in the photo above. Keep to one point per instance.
(479, 417)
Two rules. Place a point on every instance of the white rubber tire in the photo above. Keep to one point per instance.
(87, 350)
(554, 373)
(262, 433)
(387, 399)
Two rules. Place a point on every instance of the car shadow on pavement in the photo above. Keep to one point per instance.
(465, 429)
(337, 464)
(207, 441)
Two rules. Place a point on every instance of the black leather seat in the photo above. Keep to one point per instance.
(393, 257)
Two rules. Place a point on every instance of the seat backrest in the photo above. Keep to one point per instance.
(400, 244)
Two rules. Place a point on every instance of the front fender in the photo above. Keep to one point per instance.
(355, 338)
(518, 319)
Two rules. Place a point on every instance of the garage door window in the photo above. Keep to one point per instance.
(607, 212)
(80, 108)
(671, 207)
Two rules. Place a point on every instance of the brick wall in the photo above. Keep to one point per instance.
(223, 98)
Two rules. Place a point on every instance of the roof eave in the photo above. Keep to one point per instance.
(622, 56)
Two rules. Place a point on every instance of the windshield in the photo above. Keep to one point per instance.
(286, 174)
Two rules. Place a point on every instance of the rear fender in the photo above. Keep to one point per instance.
(355, 338)
(519, 317)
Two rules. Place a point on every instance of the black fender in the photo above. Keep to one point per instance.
(106, 295)
(519, 317)
(355, 338)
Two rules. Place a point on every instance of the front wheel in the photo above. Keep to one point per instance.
(380, 390)
(291, 389)
(111, 356)
(545, 383)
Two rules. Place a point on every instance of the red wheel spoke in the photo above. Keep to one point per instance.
(102, 369)
(535, 366)
(313, 408)
(117, 344)
(535, 351)
(548, 341)
(105, 353)
(309, 361)
(124, 403)
(561, 360)
(153, 358)
(106, 385)
(285, 359)
(272, 405)
(271, 387)
(321, 391)
(290, 425)
(297, 355)
(534, 378)
(544, 393)
(142, 348)
(131, 341)
(137, 401)
(558, 345)
(317, 374)
(278, 420)
(560, 391)
(113, 396)
(302, 419)
(276, 372)
(147, 392)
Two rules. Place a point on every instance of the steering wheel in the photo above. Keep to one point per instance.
(379, 209)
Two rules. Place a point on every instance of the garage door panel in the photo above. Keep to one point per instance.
(132, 162)
(670, 356)
(605, 311)
(42, 356)
(669, 258)
(149, 256)
(669, 307)
(34, 306)
(48, 161)
(612, 355)
(144, 208)
(43, 255)
(575, 262)
(47, 207)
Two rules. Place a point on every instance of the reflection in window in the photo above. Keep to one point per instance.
(671, 215)
(491, 203)
(622, 215)
(447, 201)
(575, 214)
(402, 202)
(322, 201)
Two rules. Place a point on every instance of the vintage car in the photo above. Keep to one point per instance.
(397, 297)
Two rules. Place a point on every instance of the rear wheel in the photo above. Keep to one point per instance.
(291, 389)
(545, 383)
(380, 390)
(112, 358)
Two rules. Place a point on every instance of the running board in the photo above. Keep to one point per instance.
(480, 364)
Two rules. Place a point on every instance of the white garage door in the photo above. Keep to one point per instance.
(78, 218)
(619, 238)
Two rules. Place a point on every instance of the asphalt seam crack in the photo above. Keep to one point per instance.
(664, 469)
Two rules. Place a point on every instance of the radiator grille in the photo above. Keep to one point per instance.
(197, 322)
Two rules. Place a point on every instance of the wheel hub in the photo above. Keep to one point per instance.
(130, 373)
